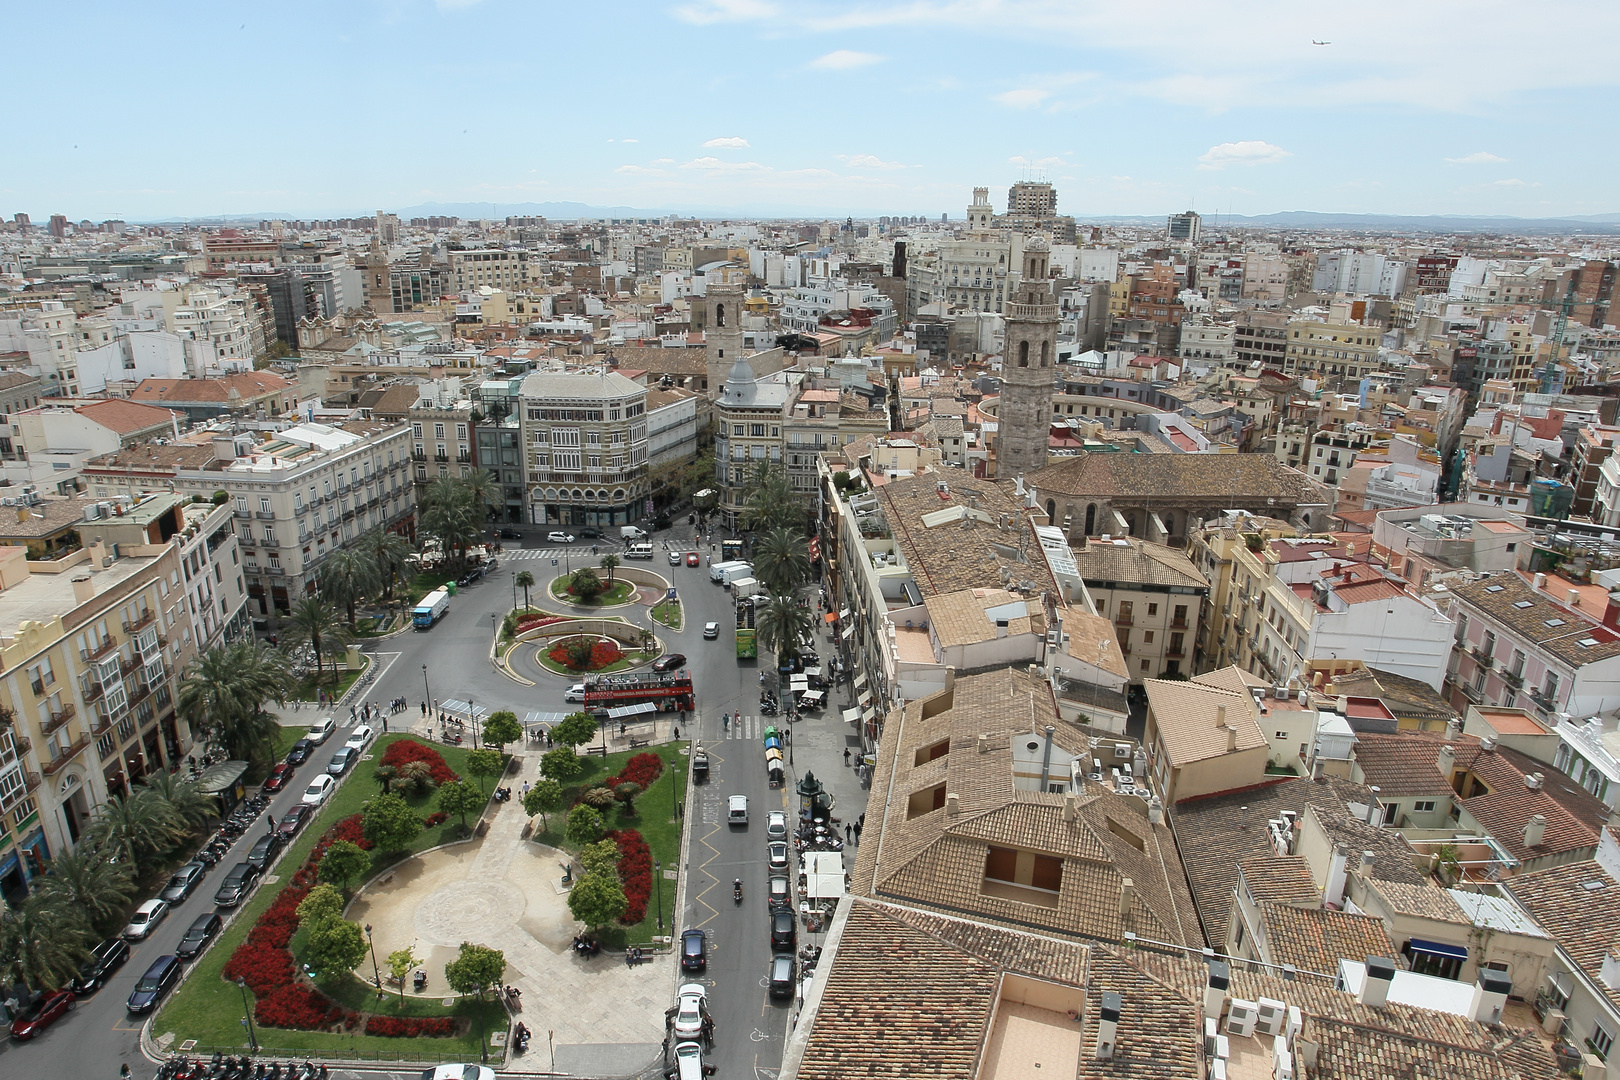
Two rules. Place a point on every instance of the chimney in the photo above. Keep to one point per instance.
(1127, 893)
(1573, 596)
(1364, 871)
(1534, 780)
(1610, 972)
(1372, 805)
(1307, 1050)
(1220, 716)
(1069, 812)
(984, 742)
(1231, 738)
(1453, 729)
(1447, 759)
(1155, 811)
(1333, 888)
(1108, 1024)
(84, 590)
(224, 448)
(1539, 582)
(953, 803)
(1220, 977)
(1535, 830)
(1490, 995)
(1593, 1067)
(1611, 611)
(1375, 985)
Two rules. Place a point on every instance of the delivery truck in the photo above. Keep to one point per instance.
(431, 609)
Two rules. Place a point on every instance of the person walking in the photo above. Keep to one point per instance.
(846, 757)
(847, 835)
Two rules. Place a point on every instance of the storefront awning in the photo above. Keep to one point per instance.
(1435, 948)
(851, 715)
(860, 680)
(869, 715)
(843, 613)
(865, 699)
(849, 632)
(830, 618)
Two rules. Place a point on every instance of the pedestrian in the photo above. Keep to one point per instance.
(424, 708)
(270, 820)
(857, 831)
(525, 789)
(385, 725)
(848, 836)
(123, 1071)
(846, 756)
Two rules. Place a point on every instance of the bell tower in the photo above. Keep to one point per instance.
(980, 214)
(722, 333)
(1028, 362)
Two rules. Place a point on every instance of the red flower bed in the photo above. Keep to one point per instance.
(265, 968)
(603, 653)
(642, 769)
(435, 818)
(300, 1007)
(535, 622)
(405, 751)
(635, 872)
(410, 1027)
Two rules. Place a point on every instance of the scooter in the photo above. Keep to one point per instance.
(736, 891)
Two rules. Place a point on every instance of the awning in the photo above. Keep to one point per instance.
(544, 719)
(849, 632)
(812, 699)
(1435, 948)
(865, 699)
(860, 680)
(218, 778)
(798, 682)
(851, 715)
(843, 613)
(625, 711)
(829, 618)
(869, 715)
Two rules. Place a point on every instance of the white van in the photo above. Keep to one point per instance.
(717, 571)
(737, 810)
(631, 533)
(639, 551)
(736, 572)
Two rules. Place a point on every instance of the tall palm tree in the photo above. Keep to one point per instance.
(87, 879)
(525, 581)
(43, 942)
(782, 560)
(138, 827)
(610, 563)
(770, 501)
(316, 623)
(223, 693)
(447, 511)
(387, 551)
(781, 622)
(194, 808)
(348, 576)
(483, 489)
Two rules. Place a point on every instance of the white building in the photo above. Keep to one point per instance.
(585, 439)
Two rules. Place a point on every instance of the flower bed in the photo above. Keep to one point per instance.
(535, 622)
(641, 770)
(405, 751)
(435, 818)
(410, 1027)
(604, 653)
(635, 872)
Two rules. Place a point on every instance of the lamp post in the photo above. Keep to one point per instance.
(472, 718)
(425, 689)
(375, 972)
(658, 883)
(247, 1018)
(494, 627)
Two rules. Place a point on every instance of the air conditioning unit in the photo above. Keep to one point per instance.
(1217, 1069)
(1211, 1033)
(1122, 750)
(1240, 1020)
(1054, 639)
(1273, 1015)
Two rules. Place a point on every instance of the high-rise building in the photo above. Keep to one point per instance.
(1035, 198)
(58, 226)
(387, 227)
(586, 439)
(1185, 227)
(1024, 419)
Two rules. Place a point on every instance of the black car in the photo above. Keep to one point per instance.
(107, 958)
(300, 752)
(782, 975)
(590, 532)
(469, 577)
(158, 980)
(199, 934)
(237, 884)
(784, 931)
(510, 534)
(669, 662)
(265, 850)
(185, 879)
(694, 954)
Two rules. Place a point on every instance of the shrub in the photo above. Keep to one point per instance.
(435, 818)
(411, 1027)
(294, 1006)
(635, 871)
(641, 770)
(603, 653)
(535, 622)
(599, 797)
(405, 751)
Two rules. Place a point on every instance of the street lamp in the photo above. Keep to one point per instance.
(375, 972)
(494, 631)
(472, 718)
(425, 689)
(247, 1019)
(658, 882)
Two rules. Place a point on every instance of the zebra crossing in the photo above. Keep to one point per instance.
(547, 553)
(750, 727)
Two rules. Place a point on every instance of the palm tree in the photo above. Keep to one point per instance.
(184, 797)
(525, 581)
(483, 489)
(782, 560)
(782, 622)
(43, 942)
(137, 827)
(86, 879)
(223, 693)
(610, 562)
(387, 551)
(770, 501)
(316, 623)
(447, 511)
(348, 576)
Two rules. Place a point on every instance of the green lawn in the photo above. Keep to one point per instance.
(207, 1010)
(422, 584)
(653, 818)
(668, 612)
(304, 689)
(621, 591)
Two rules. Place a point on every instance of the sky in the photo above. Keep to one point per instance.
(803, 107)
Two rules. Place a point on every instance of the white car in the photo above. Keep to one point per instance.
(359, 737)
(575, 693)
(776, 825)
(689, 1061)
(320, 789)
(676, 558)
(737, 810)
(711, 630)
(321, 730)
(559, 538)
(459, 1072)
(145, 919)
(690, 1009)
(776, 856)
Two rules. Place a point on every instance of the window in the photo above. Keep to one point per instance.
(1153, 609)
(1423, 806)
(1602, 1041)
(1001, 864)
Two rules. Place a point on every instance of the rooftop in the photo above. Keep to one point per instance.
(1565, 633)
(1129, 561)
(1194, 719)
(1225, 478)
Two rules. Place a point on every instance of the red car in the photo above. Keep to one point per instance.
(41, 1016)
(278, 777)
(691, 558)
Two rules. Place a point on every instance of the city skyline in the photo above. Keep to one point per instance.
(753, 108)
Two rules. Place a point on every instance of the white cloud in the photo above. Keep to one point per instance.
(629, 140)
(732, 143)
(714, 164)
(1036, 163)
(868, 161)
(1481, 157)
(843, 59)
(664, 161)
(705, 12)
(1026, 98)
(1247, 152)
(640, 170)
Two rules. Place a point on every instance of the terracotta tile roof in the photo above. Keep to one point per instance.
(1129, 561)
(960, 618)
(1403, 696)
(211, 391)
(1427, 901)
(1578, 904)
(1190, 721)
(1285, 879)
(1236, 478)
(1554, 627)
(1504, 814)
(964, 551)
(125, 417)
(1316, 939)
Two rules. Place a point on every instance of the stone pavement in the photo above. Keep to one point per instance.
(500, 890)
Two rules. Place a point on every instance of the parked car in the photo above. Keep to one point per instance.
(44, 1012)
(777, 896)
(345, 757)
(199, 934)
(300, 752)
(694, 951)
(689, 1062)
(459, 1072)
(692, 558)
(294, 820)
(737, 810)
(264, 851)
(700, 766)
(475, 574)
(145, 919)
(278, 777)
(782, 975)
(711, 630)
(784, 931)
(691, 1009)
(105, 959)
(669, 662)
(674, 558)
(575, 693)
(559, 538)
(776, 855)
(359, 737)
(237, 884)
(321, 730)
(776, 825)
(158, 980)
(182, 882)
(319, 790)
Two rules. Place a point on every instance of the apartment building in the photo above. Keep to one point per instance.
(586, 446)
(749, 416)
(443, 442)
(496, 268)
(1344, 349)
(1154, 595)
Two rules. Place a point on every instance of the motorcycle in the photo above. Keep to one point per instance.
(419, 982)
(736, 891)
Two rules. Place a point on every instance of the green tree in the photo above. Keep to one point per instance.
(318, 624)
(502, 728)
(584, 825)
(578, 651)
(782, 560)
(585, 585)
(387, 552)
(610, 563)
(600, 858)
(385, 775)
(349, 575)
(461, 798)
(597, 899)
(139, 827)
(43, 942)
(483, 764)
(599, 798)
(769, 501)
(343, 862)
(561, 764)
(649, 640)
(782, 622)
(575, 729)
(483, 490)
(447, 512)
(415, 779)
(544, 798)
(389, 823)
(400, 963)
(88, 881)
(335, 945)
(525, 581)
(324, 901)
(476, 970)
(191, 806)
(223, 694)
(626, 793)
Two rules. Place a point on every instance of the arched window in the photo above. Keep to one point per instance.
(1023, 354)
(1045, 346)
(719, 315)
(1091, 518)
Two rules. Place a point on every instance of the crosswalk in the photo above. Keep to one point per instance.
(751, 727)
(577, 554)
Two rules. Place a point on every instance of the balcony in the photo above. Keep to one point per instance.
(1175, 654)
(1473, 693)
(22, 744)
(1178, 624)
(1543, 700)
(100, 652)
(1514, 679)
(1124, 620)
(140, 624)
(1482, 658)
(244, 512)
(54, 766)
(132, 664)
(100, 725)
(59, 718)
(418, 455)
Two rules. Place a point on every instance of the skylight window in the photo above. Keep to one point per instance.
(1493, 588)
(1521, 604)
(1588, 642)
(1554, 622)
